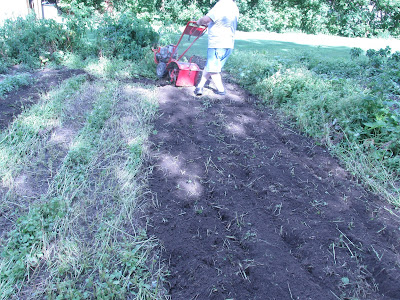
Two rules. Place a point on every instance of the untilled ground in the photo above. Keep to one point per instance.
(247, 208)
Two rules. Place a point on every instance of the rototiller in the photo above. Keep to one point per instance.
(167, 60)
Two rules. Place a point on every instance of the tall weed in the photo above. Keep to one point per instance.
(124, 36)
(354, 97)
(11, 83)
(32, 42)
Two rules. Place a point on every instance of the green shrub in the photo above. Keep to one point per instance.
(356, 52)
(124, 36)
(10, 83)
(3, 67)
(250, 23)
(32, 42)
(182, 11)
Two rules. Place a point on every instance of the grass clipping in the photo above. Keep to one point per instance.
(83, 239)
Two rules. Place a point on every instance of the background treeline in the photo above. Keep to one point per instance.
(339, 17)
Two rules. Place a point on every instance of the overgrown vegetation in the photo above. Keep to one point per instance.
(33, 42)
(124, 36)
(87, 34)
(350, 104)
(13, 82)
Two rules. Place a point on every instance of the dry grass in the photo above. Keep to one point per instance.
(92, 243)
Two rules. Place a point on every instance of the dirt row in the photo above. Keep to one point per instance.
(15, 102)
(250, 209)
(247, 208)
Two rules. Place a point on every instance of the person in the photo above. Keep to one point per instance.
(221, 21)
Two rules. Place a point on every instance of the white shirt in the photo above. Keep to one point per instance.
(221, 31)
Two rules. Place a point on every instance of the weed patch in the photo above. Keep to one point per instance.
(113, 68)
(32, 42)
(342, 102)
(26, 134)
(11, 83)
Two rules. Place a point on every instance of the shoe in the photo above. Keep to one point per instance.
(198, 91)
(220, 93)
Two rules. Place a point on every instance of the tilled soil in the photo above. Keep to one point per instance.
(247, 208)
(15, 102)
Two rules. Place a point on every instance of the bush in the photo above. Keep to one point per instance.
(3, 67)
(11, 83)
(124, 36)
(181, 11)
(32, 42)
(250, 23)
(356, 52)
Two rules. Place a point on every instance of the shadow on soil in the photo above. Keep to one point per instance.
(249, 209)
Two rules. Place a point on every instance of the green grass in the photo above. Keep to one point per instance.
(21, 143)
(112, 67)
(13, 82)
(24, 138)
(80, 238)
(340, 100)
(329, 93)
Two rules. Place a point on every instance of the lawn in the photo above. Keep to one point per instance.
(333, 46)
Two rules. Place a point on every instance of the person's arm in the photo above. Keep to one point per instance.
(204, 21)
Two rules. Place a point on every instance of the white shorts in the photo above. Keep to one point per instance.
(216, 59)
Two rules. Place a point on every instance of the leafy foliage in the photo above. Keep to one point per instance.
(85, 33)
(23, 251)
(340, 17)
(33, 42)
(124, 36)
(330, 99)
(11, 83)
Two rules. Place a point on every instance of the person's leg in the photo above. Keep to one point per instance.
(216, 59)
(199, 88)
(206, 74)
(204, 77)
(216, 77)
(220, 58)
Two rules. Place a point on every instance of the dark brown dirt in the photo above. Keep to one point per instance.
(15, 102)
(247, 208)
